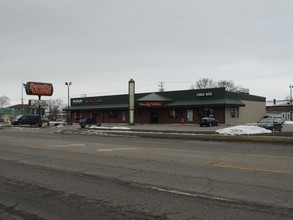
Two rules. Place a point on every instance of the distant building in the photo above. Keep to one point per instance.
(185, 106)
(281, 108)
(7, 114)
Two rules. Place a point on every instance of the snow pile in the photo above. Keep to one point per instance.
(113, 128)
(288, 122)
(243, 130)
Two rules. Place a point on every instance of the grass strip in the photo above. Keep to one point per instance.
(211, 137)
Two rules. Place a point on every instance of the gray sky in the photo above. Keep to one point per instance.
(100, 45)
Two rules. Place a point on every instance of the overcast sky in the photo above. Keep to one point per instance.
(99, 45)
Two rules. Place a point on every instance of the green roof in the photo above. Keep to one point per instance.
(230, 102)
(99, 107)
(188, 98)
(153, 97)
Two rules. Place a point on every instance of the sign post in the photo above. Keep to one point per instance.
(39, 89)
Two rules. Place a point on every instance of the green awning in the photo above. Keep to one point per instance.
(181, 103)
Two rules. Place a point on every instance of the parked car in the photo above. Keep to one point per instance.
(208, 121)
(86, 121)
(276, 117)
(26, 119)
(272, 124)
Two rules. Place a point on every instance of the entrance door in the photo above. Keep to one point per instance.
(154, 116)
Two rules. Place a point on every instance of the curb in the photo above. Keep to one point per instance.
(188, 135)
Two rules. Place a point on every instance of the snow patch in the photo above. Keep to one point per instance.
(243, 130)
(288, 122)
(113, 128)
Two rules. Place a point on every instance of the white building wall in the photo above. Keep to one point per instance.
(251, 113)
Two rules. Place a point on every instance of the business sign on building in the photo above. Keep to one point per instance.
(204, 94)
(86, 101)
(150, 104)
(39, 88)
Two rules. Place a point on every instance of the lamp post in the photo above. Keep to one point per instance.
(290, 86)
(68, 84)
(22, 88)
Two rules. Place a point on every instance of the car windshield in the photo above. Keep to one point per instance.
(18, 117)
(267, 120)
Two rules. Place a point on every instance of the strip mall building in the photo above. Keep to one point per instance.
(185, 106)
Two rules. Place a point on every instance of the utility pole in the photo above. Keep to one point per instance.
(161, 86)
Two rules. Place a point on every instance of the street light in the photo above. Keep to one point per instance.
(290, 86)
(68, 84)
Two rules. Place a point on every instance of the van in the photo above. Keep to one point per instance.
(25, 119)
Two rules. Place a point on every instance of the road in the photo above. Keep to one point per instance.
(44, 175)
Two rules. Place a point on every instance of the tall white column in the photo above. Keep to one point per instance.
(131, 92)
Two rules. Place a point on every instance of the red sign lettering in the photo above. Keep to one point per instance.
(38, 88)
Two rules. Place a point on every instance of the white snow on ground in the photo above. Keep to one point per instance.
(242, 130)
(289, 122)
(114, 128)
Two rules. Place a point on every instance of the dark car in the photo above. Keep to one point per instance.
(86, 121)
(272, 124)
(25, 119)
(208, 121)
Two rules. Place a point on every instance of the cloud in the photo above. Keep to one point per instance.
(100, 44)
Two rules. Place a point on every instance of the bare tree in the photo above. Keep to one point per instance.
(228, 85)
(4, 101)
(55, 108)
(57, 102)
(204, 83)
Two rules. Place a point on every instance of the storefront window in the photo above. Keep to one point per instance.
(189, 115)
(234, 112)
(76, 115)
(174, 113)
(95, 114)
(113, 114)
(206, 112)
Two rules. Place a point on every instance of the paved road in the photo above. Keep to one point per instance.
(49, 176)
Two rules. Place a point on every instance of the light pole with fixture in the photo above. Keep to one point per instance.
(290, 86)
(68, 84)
